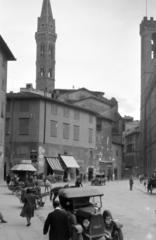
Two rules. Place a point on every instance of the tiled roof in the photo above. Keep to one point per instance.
(5, 49)
(30, 95)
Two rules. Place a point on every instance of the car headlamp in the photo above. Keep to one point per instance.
(86, 223)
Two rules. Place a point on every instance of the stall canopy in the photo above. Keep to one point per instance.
(25, 165)
(69, 161)
(54, 163)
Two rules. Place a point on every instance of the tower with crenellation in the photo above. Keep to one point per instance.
(148, 94)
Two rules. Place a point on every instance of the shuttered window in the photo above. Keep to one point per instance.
(7, 126)
(24, 126)
(54, 109)
(66, 112)
(53, 129)
(24, 106)
(76, 130)
(66, 130)
(76, 115)
(90, 136)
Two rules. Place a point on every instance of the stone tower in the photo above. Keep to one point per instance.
(45, 53)
(148, 73)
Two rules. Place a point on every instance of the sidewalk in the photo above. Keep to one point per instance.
(15, 228)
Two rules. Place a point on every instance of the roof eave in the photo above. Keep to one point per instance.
(5, 49)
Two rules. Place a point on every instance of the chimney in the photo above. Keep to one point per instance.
(29, 86)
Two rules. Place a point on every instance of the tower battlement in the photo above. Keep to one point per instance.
(149, 23)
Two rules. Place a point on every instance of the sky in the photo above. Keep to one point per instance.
(97, 46)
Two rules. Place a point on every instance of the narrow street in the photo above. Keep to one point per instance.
(134, 209)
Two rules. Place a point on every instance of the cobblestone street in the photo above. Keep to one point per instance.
(134, 209)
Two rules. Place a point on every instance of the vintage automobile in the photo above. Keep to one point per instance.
(99, 179)
(86, 204)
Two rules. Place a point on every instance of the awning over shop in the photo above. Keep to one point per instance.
(54, 163)
(69, 161)
(24, 166)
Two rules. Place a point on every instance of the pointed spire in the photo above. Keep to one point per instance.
(46, 12)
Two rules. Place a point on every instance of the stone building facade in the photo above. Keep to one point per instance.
(5, 56)
(36, 122)
(39, 124)
(131, 149)
(108, 130)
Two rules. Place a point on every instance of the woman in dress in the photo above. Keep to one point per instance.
(28, 207)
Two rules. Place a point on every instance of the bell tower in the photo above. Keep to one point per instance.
(45, 49)
(148, 73)
(148, 52)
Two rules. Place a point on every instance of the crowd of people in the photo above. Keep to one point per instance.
(26, 180)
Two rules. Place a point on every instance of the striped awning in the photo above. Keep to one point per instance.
(55, 165)
(69, 161)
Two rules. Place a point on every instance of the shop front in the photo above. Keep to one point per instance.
(70, 167)
(53, 168)
(106, 167)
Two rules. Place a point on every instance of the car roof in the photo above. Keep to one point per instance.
(78, 192)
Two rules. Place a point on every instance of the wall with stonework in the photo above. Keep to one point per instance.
(3, 79)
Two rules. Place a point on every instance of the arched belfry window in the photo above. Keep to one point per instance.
(42, 49)
(50, 50)
(153, 43)
(50, 73)
(42, 72)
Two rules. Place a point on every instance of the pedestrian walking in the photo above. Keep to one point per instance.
(78, 182)
(57, 223)
(28, 207)
(2, 218)
(8, 179)
(47, 185)
(131, 182)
